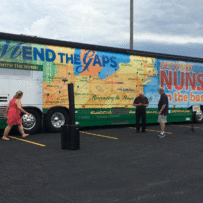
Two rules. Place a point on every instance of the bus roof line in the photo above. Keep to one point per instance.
(54, 42)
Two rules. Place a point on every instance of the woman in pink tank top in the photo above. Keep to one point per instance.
(13, 114)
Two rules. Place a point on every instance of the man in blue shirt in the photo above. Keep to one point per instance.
(162, 111)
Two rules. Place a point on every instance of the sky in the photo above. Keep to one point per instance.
(163, 26)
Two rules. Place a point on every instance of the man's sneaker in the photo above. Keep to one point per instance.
(161, 135)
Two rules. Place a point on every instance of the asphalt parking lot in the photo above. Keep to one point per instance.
(114, 164)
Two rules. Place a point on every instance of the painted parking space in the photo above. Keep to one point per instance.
(98, 135)
(107, 133)
(187, 126)
(27, 141)
(135, 167)
(150, 130)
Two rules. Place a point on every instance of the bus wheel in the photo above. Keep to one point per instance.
(55, 118)
(31, 123)
(199, 116)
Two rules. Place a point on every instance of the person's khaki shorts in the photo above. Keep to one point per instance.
(162, 119)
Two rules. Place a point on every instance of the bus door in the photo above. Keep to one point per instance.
(4, 91)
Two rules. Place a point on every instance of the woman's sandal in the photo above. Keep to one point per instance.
(5, 138)
(25, 135)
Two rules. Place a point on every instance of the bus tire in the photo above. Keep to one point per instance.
(198, 116)
(31, 123)
(55, 118)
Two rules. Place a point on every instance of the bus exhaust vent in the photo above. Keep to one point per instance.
(3, 111)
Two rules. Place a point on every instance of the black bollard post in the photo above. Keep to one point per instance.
(71, 104)
(70, 136)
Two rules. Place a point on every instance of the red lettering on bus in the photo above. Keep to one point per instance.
(200, 81)
(166, 79)
(189, 68)
(162, 65)
(191, 80)
(176, 66)
(175, 81)
(165, 65)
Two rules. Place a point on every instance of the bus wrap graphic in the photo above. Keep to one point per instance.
(103, 79)
(183, 82)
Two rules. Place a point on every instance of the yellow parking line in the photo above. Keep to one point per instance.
(159, 131)
(115, 138)
(28, 141)
(187, 126)
(154, 131)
